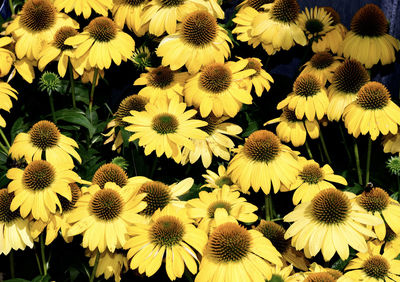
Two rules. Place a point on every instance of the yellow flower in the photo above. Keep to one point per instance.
(372, 112)
(7, 58)
(170, 235)
(315, 22)
(211, 207)
(219, 180)
(165, 128)
(330, 223)
(216, 88)
(130, 13)
(44, 136)
(102, 216)
(312, 179)
(368, 41)
(199, 41)
(372, 266)
(6, 91)
(110, 264)
(37, 188)
(34, 28)
(391, 143)
(244, 25)
(308, 98)
(322, 65)
(84, 7)
(14, 230)
(262, 161)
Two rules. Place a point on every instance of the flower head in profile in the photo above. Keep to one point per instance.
(244, 25)
(130, 13)
(322, 65)
(84, 7)
(391, 143)
(110, 263)
(6, 92)
(7, 57)
(215, 181)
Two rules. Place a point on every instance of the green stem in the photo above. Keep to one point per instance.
(96, 71)
(321, 137)
(308, 150)
(53, 112)
(368, 160)
(3, 148)
(4, 138)
(42, 246)
(10, 3)
(398, 186)
(12, 269)
(321, 155)
(345, 143)
(133, 160)
(72, 81)
(96, 262)
(357, 156)
(269, 208)
(38, 261)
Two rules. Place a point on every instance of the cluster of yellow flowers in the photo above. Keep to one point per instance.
(181, 111)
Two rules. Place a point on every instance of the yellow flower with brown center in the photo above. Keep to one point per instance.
(308, 99)
(102, 216)
(169, 236)
(45, 137)
(34, 28)
(316, 22)
(368, 40)
(14, 230)
(198, 41)
(216, 88)
(110, 264)
(101, 43)
(330, 223)
(161, 83)
(377, 202)
(374, 266)
(6, 91)
(347, 80)
(294, 130)
(372, 112)
(130, 13)
(312, 179)
(215, 181)
(84, 7)
(37, 186)
(322, 65)
(264, 161)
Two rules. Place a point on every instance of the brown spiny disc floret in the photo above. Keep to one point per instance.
(38, 15)
(215, 78)
(374, 200)
(6, 215)
(161, 77)
(306, 85)
(106, 204)
(285, 10)
(38, 175)
(199, 28)
(319, 277)
(369, 21)
(110, 173)
(262, 146)
(61, 35)
(130, 103)
(275, 233)
(373, 95)
(44, 134)
(322, 60)
(350, 76)
(102, 29)
(69, 205)
(330, 206)
(218, 205)
(158, 196)
(165, 123)
(376, 267)
(167, 231)
(311, 173)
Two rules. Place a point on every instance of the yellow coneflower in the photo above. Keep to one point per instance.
(198, 41)
(322, 65)
(130, 13)
(330, 223)
(161, 83)
(7, 58)
(14, 230)
(84, 7)
(368, 41)
(294, 130)
(215, 9)
(244, 25)
(347, 80)
(316, 22)
(110, 173)
(391, 143)
(6, 91)
(216, 88)
(373, 112)
(170, 235)
(219, 180)
(34, 28)
(110, 264)
(308, 99)
(262, 161)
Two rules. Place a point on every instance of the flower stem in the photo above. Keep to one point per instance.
(42, 246)
(12, 266)
(398, 186)
(368, 160)
(10, 3)
(72, 81)
(308, 150)
(38, 260)
(3, 148)
(357, 156)
(321, 137)
(96, 71)
(96, 262)
(4, 138)
(53, 112)
(345, 143)
(269, 208)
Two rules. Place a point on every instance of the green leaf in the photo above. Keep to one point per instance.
(18, 126)
(41, 278)
(76, 116)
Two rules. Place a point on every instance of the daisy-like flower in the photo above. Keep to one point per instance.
(34, 28)
(57, 50)
(102, 216)
(130, 103)
(161, 83)
(219, 180)
(276, 234)
(244, 25)
(308, 98)
(44, 136)
(377, 202)
(312, 179)
(278, 27)
(234, 253)
(198, 41)
(37, 187)
(57, 222)
(322, 65)
(262, 161)
(347, 80)
(159, 194)
(211, 207)
(261, 80)
(14, 230)
(84, 7)
(372, 112)
(110, 264)
(130, 13)
(6, 91)
(101, 43)
(332, 40)
(170, 235)
(294, 130)
(165, 128)
(162, 15)
(7, 57)
(216, 88)
(330, 223)
(391, 143)
(315, 22)
(374, 266)
(368, 41)
(216, 143)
